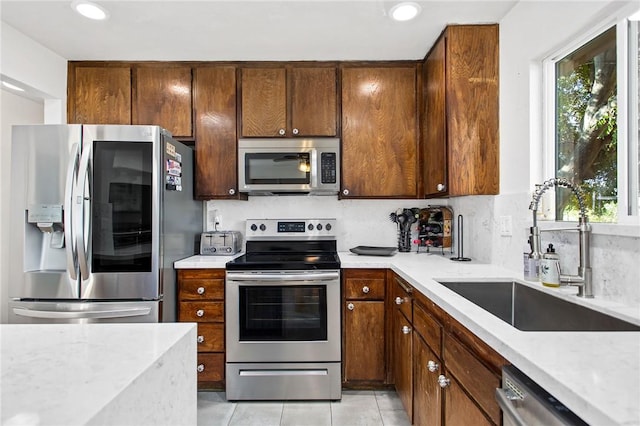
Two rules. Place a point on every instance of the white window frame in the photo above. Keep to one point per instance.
(628, 223)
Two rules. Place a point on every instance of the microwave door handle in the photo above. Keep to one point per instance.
(79, 213)
(72, 171)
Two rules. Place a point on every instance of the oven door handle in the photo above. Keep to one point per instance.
(313, 276)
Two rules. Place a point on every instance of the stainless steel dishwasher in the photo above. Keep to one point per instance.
(523, 402)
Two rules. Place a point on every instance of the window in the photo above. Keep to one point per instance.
(593, 141)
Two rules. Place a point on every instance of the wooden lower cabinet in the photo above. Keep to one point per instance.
(443, 373)
(201, 300)
(364, 350)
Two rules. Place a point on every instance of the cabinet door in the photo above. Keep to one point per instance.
(379, 121)
(364, 341)
(427, 402)
(459, 409)
(99, 95)
(402, 360)
(434, 127)
(216, 151)
(312, 101)
(162, 97)
(264, 102)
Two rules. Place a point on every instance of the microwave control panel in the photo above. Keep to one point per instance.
(328, 167)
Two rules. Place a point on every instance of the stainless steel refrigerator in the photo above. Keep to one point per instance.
(98, 216)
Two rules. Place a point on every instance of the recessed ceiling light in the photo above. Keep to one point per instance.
(12, 86)
(405, 11)
(90, 10)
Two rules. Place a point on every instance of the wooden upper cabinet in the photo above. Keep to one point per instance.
(379, 132)
(289, 101)
(460, 120)
(99, 94)
(162, 96)
(216, 153)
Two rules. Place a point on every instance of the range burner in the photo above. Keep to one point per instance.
(289, 244)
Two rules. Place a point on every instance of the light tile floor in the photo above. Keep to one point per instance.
(364, 408)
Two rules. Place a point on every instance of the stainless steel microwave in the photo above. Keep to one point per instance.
(288, 166)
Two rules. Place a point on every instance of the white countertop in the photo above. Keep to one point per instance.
(595, 374)
(204, 262)
(77, 374)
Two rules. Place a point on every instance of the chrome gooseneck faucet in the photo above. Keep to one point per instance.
(583, 280)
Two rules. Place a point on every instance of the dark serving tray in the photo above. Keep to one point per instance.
(374, 251)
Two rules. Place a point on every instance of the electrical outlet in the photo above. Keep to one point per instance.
(506, 226)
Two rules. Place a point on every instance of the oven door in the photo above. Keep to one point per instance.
(291, 316)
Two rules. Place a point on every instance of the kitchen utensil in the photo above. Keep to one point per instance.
(374, 251)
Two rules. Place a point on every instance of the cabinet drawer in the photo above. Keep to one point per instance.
(201, 311)
(210, 337)
(210, 367)
(185, 274)
(473, 376)
(428, 328)
(364, 289)
(201, 289)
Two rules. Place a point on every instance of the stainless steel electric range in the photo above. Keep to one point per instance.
(282, 313)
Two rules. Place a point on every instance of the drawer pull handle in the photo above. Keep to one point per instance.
(366, 289)
(200, 368)
(399, 300)
(406, 329)
(443, 381)
(200, 312)
(433, 366)
(200, 290)
(200, 339)
(350, 307)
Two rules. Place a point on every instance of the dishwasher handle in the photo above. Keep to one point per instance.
(505, 398)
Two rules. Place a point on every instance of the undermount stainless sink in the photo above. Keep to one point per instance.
(528, 309)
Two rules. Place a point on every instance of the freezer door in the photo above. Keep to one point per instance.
(118, 242)
(82, 312)
(44, 161)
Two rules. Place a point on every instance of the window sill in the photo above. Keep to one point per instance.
(631, 230)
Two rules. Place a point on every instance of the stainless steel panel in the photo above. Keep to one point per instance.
(119, 285)
(82, 312)
(40, 165)
(283, 381)
(284, 351)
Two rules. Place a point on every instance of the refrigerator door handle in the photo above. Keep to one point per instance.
(72, 172)
(112, 313)
(83, 174)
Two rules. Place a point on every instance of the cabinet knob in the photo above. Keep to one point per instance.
(440, 187)
(296, 131)
(406, 329)
(200, 368)
(200, 339)
(345, 192)
(232, 191)
(281, 132)
(433, 366)
(443, 381)
(399, 300)
(366, 289)
(200, 290)
(350, 307)
(200, 312)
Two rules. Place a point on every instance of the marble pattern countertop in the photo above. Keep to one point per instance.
(98, 374)
(595, 374)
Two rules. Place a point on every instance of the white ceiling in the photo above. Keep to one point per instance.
(243, 30)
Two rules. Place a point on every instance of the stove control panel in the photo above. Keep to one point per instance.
(287, 229)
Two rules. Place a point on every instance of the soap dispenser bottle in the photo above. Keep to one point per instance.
(550, 268)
